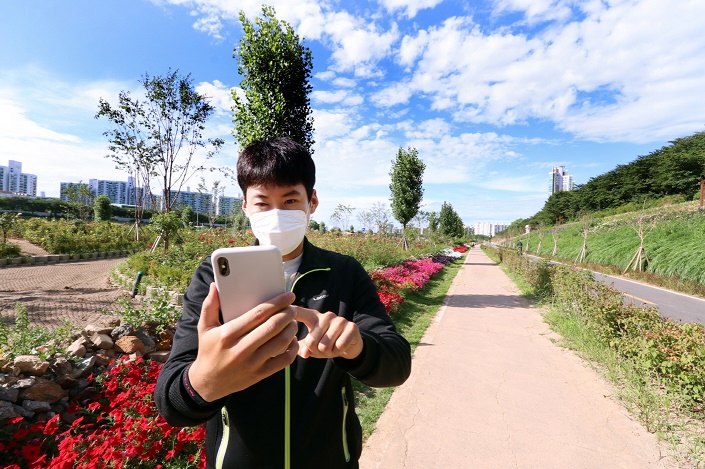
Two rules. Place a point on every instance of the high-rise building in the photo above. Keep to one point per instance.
(13, 180)
(560, 180)
(226, 205)
(490, 229)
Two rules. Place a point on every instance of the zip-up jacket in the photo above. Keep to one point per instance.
(318, 427)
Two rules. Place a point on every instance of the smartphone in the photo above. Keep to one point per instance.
(246, 277)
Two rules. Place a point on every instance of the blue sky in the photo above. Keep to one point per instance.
(491, 93)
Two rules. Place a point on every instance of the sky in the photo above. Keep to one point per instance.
(492, 94)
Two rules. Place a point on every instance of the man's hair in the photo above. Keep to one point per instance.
(276, 162)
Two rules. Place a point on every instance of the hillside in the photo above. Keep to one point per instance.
(674, 242)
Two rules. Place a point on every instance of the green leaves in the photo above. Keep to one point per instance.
(407, 185)
(276, 67)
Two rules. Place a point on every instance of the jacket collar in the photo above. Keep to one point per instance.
(312, 258)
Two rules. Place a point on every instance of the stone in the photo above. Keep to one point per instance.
(36, 406)
(25, 383)
(102, 359)
(159, 356)
(77, 348)
(22, 412)
(66, 381)
(149, 344)
(102, 341)
(7, 411)
(31, 364)
(121, 331)
(9, 394)
(129, 344)
(91, 329)
(43, 390)
(61, 366)
(83, 368)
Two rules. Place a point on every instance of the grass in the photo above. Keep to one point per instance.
(412, 320)
(674, 247)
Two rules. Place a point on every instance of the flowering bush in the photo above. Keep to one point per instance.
(411, 275)
(117, 426)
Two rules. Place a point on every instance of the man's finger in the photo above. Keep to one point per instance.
(209, 311)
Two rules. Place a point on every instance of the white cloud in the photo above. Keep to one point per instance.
(219, 96)
(410, 7)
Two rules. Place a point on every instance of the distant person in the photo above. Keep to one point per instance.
(332, 328)
(519, 247)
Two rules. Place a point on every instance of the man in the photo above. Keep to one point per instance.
(274, 384)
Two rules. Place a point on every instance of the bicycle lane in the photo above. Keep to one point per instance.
(489, 389)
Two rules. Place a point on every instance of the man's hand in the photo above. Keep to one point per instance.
(235, 355)
(329, 335)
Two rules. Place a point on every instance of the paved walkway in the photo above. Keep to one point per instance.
(489, 389)
(75, 292)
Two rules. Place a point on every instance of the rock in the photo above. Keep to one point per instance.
(66, 381)
(9, 394)
(149, 344)
(83, 368)
(22, 412)
(159, 356)
(77, 348)
(43, 390)
(61, 366)
(25, 383)
(31, 364)
(165, 340)
(129, 344)
(36, 406)
(91, 329)
(7, 411)
(102, 359)
(121, 331)
(102, 341)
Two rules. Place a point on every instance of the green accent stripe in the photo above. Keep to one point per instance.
(287, 417)
(223, 447)
(346, 450)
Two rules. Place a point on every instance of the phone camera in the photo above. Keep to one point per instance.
(223, 266)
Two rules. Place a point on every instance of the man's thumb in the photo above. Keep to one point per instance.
(209, 311)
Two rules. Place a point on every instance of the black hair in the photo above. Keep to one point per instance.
(276, 162)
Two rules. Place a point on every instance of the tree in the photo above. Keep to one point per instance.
(407, 187)
(433, 222)
(449, 222)
(7, 222)
(276, 67)
(102, 210)
(313, 225)
(366, 219)
(380, 217)
(237, 215)
(341, 215)
(188, 215)
(80, 198)
(161, 135)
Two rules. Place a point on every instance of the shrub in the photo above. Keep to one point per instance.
(9, 250)
(24, 339)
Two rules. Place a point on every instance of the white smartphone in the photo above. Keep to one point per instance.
(246, 277)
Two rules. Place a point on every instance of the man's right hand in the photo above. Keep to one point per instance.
(235, 355)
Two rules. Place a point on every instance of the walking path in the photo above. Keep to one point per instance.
(490, 389)
(75, 292)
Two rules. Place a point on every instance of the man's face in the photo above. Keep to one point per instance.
(263, 198)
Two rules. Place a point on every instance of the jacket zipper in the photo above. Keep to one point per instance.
(346, 450)
(223, 446)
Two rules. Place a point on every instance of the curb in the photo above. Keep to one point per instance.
(49, 259)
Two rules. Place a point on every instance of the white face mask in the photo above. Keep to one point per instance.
(284, 229)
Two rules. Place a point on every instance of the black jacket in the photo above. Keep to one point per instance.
(325, 431)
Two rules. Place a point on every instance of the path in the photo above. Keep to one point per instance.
(75, 291)
(489, 389)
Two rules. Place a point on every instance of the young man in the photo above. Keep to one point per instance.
(274, 384)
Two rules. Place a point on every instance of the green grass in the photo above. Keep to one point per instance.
(412, 320)
(675, 247)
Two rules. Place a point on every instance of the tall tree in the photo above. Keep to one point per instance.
(276, 67)
(407, 187)
(80, 199)
(102, 210)
(161, 134)
(450, 223)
